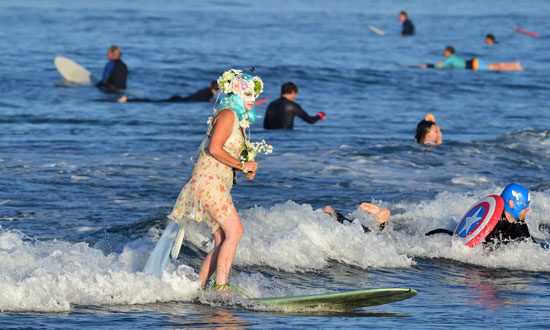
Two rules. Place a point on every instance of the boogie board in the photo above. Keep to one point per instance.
(340, 301)
(73, 71)
(480, 220)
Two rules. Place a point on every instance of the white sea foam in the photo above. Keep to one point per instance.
(294, 237)
(53, 276)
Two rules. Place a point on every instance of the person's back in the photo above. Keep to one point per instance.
(281, 112)
(118, 76)
(115, 72)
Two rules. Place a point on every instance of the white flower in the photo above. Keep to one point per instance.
(244, 123)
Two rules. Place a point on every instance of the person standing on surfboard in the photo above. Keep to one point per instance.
(202, 95)
(408, 26)
(115, 72)
(281, 112)
(206, 196)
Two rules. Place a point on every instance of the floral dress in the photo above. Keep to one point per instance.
(206, 196)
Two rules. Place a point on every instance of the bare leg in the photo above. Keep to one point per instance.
(209, 264)
(506, 66)
(233, 230)
(381, 214)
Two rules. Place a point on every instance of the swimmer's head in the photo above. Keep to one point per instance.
(426, 132)
(403, 16)
(516, 200)
(490, 39)
(289, 90)
(449, 50)
(114, 53)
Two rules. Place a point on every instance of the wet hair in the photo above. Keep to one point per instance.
(214, 85)
(450, 49)
(491, 37)
(115, 50)
(422, 129)
(404, 13)
(289, 88)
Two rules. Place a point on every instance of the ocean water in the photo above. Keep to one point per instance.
(86, 183)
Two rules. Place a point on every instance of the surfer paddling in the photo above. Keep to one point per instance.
(202, 95)
(115, 71)
(452, 61)
(379, 214)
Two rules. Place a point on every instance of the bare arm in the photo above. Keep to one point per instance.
(222, 128)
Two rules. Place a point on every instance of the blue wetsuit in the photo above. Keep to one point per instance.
(114, 75)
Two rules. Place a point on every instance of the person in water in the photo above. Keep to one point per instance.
(281, 112)
(452, 61)
(490, 39)
(206, 196)
(408, 26)
(511, 225)
(379, 213)
(115, 72)
(428, 132)
(202, 95)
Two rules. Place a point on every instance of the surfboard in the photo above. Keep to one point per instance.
(375, 30)
(72, 71)
(339, 301)
(524, 31)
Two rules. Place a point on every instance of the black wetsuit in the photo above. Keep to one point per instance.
(341, 218)
(202, 95)
(114, 75)
(281, 112)
(506, 231)
(408, 28)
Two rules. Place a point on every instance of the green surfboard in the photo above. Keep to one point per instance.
(339, 301)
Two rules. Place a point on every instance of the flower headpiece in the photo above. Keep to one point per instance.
(240, 87)
(243, 85)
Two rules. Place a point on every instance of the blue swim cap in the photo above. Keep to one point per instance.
(521, 197)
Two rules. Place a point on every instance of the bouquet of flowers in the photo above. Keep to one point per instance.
(253, 149)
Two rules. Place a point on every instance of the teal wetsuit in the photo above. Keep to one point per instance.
(452, 62)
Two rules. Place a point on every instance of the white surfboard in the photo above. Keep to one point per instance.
(375, 30)
(72, 71)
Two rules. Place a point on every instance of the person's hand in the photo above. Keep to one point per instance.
(321, 115)
(250, 168)
(123, 99)
(429, 117)
(329, 210)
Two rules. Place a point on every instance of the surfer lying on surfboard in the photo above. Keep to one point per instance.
(379, 213)
(202, 95)
(452, 61)
(493, 221)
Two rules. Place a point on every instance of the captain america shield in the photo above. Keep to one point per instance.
(480, 220)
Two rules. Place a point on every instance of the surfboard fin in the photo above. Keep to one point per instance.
(159, 257)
